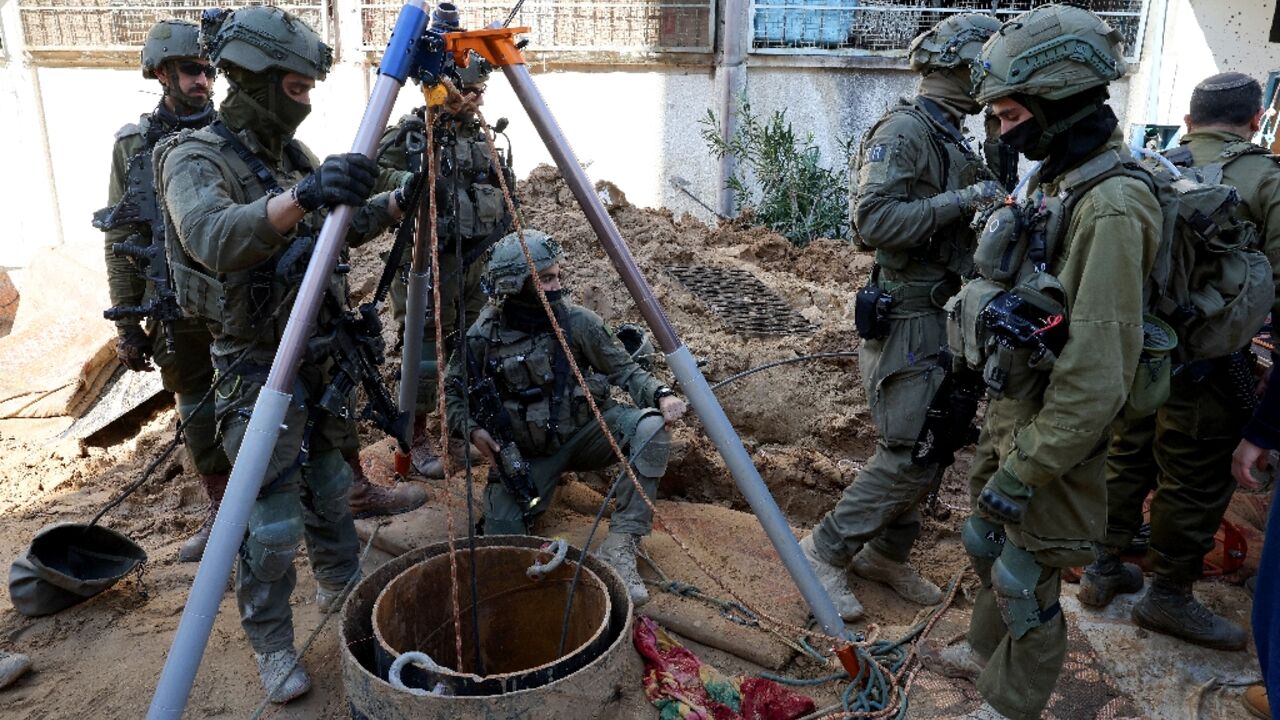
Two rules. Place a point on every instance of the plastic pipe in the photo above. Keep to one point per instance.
(679, 358)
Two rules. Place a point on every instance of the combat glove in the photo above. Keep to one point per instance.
(980, 194)
(345, 179)
(133, 348)
(1004, 498)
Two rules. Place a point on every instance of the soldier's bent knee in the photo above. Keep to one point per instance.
(329, 480)
(1014, 576)
(984, 541)
(651, 460)
(271, 548)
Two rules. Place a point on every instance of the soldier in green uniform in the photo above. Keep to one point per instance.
(551, 426)
(244, 200)
(471, 216)
(915, 192)
(1075, 267)
(1183, 451)
(179, 346)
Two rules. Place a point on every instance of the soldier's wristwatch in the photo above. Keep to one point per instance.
(662, 392)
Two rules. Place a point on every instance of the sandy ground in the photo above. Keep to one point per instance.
(805, 424)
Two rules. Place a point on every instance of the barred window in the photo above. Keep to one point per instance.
(886, 27)
(123, 24)
(612, 26)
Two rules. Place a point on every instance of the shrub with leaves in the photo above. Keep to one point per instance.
(780, 176)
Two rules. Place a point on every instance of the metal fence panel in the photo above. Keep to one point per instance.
(597, 26)
(886, 27)
(50, 25)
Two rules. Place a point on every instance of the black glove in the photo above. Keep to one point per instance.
(345, 179)
(1004, 499)
(980, 194)
(133, 347)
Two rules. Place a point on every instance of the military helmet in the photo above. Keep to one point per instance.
(475, 73)
(258, 38)
(1051, 52)
(167, 40)
(955, 41)
(508, 269)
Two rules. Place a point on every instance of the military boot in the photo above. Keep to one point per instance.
(957, 660)
(282, 675)
(1171, 609)
(193, 549)
(903, 578)
(834, 581)
(370, 500)
(327, 598)
(12, 667)
(1106, 577)
(619, 551)
(423, 458)
(1254, 699)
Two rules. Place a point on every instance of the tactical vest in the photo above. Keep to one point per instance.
(950, 247)
(248, 305)
(468, 195)
(543, 399)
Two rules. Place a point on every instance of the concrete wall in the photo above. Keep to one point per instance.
(636, 126)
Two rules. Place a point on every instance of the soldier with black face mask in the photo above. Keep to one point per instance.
(171, 55)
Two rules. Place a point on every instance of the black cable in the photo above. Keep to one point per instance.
(595, 525)
(787, 361)
(512, 15)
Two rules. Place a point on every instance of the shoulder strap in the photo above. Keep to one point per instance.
(255, 165)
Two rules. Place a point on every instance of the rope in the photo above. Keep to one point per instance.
(829, 640)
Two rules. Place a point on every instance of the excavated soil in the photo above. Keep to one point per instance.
(805, 424)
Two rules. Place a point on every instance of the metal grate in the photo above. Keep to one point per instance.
(615, 26)
(123, 24)
(741, 300)
(886, 27)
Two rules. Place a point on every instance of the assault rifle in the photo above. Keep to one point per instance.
(357, 350)
(139, 207)
(485, 403)
(948, 425)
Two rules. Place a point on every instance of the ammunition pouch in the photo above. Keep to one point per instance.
(984, 541)
(1150, 387)
(871, 312)
(1003, 244)
(1014, 576)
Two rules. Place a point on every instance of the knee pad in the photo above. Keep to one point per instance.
(328, 479)
(271, 547)
(1014, 576)
(983, 541)
(651, 461)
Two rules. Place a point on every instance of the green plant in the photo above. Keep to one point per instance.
(780, 176)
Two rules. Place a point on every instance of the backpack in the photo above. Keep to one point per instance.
(1210, 282)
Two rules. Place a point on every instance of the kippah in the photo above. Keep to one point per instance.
(1224, 81)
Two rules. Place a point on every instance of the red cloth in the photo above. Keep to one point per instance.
(681, 685)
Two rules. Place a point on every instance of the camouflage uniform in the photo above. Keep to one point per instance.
(551, 421)
(472, 215)
(1036, 480)
(917, 178)
(231, 266)
(1183, 451)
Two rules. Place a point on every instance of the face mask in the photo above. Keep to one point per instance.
(290, 112)
(1026, 139)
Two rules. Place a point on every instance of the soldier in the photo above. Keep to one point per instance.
(1072, 260)
(471, 216)
(512, 350)
(244, 200)
(917, 186)
(1184, 450)
(171, 56)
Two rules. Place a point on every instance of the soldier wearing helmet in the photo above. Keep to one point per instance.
(1073, 259)
(471, 216)
(916, 183)
(244, 201)
(1185, 448)
(171, 55)
(513, 348)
